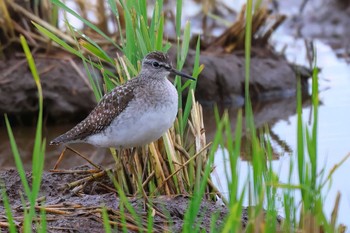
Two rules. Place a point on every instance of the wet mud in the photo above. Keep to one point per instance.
(71, 209)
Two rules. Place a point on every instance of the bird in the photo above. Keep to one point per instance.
(133, 114)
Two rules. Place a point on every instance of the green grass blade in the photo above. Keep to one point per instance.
(181, 57)
(194, 205)
(96, 89)
(17, 157)
(86, 22)
(141, 41)
(42, 226)
(300, 139)
(178, 17)
(185, 44)
(97, 51)
(64, 45)
(6, 203)
(315, 103)
(124, 200)
(131, 49)
(56, 39)
(54, 16)
(234, 152)
(159, 33)
(144, 36)
(106, 225)
(143, 8)
(150, 220)
(247, 43)
(192, 85)
(39, 149)
(169, 151)
(108, 82)
(154, 18)
(113, 6)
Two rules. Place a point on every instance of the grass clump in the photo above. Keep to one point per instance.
(162, 170)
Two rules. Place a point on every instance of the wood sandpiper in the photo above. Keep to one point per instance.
(133, 114)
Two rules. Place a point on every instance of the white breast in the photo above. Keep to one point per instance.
(141, 122)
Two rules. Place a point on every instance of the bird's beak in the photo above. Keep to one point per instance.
(176, 72)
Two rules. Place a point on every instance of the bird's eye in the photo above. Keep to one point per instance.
(155, 64)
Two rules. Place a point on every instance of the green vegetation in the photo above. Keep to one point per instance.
(167, 170)
(31, 194)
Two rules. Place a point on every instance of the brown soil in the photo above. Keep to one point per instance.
(80, 210)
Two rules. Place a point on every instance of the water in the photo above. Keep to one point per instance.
(333, 127)
(24, 138)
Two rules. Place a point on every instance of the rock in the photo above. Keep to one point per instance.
(222, 79)
(66, 94)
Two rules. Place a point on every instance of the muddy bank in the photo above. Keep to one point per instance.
(68, 96)
(222, 80)
(66, 88)
(69, 211)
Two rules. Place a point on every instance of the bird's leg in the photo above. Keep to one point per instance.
(144, 172)
(144, 194)
(83, 157)
(59, 160)
(119, 172)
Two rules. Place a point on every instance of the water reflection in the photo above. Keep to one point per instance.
(266, 115)
(24, 137)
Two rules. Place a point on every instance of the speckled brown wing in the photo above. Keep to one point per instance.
(110, 106)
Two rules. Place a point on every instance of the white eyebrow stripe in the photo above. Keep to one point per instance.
(150, 61)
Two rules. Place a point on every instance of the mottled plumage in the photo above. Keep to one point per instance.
(110, 106)
(133, 114)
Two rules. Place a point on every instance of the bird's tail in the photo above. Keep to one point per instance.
(77, 134)
(59, 140)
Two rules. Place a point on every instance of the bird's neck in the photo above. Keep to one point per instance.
(148, 75)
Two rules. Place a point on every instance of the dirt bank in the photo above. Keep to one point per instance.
(64, 82)
(68, 96)
(81, 210)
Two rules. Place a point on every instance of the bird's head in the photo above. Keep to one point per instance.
(158, 65)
